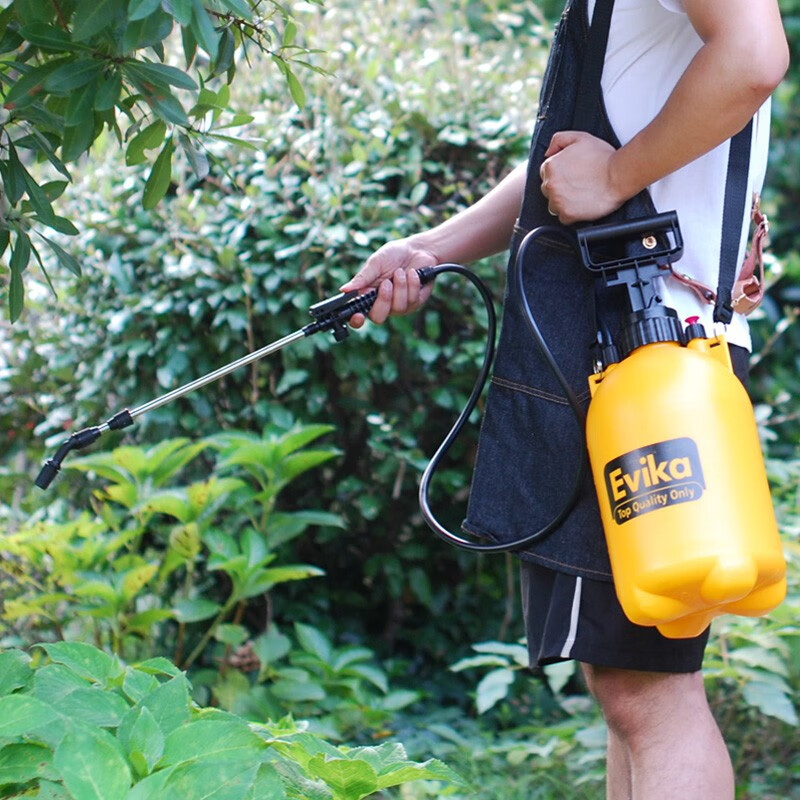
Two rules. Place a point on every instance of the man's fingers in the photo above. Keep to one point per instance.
(562, 140)
(382, 306)
(400, 292)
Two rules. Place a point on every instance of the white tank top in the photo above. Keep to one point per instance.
(650, 44)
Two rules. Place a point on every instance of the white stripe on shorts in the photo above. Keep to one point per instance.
(566, 650)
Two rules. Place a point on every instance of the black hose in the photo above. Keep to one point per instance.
(517, 285)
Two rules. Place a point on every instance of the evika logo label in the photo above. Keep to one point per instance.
(654, 477)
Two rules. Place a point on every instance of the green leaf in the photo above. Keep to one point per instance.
(493, 688)
(516, 651)
(73, 75)
(64, 258)
(167, 106)
(196, 157)
(158, 181)
(160, 74)
(15, 177)
(432, 770)
(94, 706)
(479, 661)
(146, 740)
(296, 439)
(21, 714)
(295, 87)
(203, 29)
(28, 87)
(195, 610)
(92, 16)
(225, 738)
(20, 256)
(108, 92)
(80, 107)
(349, 780)
(39, 200)
(77, 140)
(48, 37)
(169, 703)
(296, 691)
(221, 780)
(770, 700)
(271, 646)
(181, 11)
(314, 641)
(14, 671)
(84, 660)
(139, 9)
(225, 52)
(298, 463)
(20, 763)
(91, 765)
(159, 666)
(238, 7)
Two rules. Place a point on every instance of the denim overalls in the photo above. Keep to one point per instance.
(530, 442)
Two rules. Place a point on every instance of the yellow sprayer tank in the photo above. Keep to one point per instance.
(683, 493)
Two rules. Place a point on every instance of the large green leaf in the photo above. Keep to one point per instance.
(94, 707)
(21, 714)
(144, 742)
(91, 765)
(214, 780)
(65, 259)
(195, 610)
(84, 660)
(349, 779)
(158, 181)
(314, 641)
(139, 9)
(109, 91)
(203, 29)
(20, 256)
(160, 74)
(48, 37)
(92, 16)
(493, 688)
(26, 88)
(294, 440)
(73, 75)
(148, 138)
(220, 739)
(770, 700)
(20, 763)
(15, 671)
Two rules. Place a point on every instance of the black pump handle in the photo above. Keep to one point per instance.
(663, 251)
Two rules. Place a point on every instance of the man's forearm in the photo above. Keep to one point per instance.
(481, 230)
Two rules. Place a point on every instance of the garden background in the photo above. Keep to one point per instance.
(238, 598)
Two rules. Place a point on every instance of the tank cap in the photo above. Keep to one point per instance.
(650, 325)
(694, 330)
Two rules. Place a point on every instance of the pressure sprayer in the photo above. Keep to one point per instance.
(670, 432)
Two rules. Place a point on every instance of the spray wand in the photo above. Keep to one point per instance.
(332, 315)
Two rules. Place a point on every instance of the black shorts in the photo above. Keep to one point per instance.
(569, 617)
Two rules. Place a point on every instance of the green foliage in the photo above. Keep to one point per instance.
(78, 723)
(128, 574)
(230, 263)
(70, 71)
(340, 691)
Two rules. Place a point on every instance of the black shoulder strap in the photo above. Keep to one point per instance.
(589, 87)
(733, 213)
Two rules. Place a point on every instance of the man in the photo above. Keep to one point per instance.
(679, 79)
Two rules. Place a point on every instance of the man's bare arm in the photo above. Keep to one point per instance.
(743, 58)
